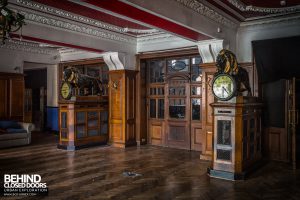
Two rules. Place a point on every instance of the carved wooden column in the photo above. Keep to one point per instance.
(122, 106)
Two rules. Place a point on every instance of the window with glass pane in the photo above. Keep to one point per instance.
(196, 109)
(152, 108)
(196, 71)
(161, 108)
(178, 65)
(156, 71)
(196, 90)
(152, 91)
(160, 91)
(93, 119)
(80, 117)
(177, 108)
(177, 91)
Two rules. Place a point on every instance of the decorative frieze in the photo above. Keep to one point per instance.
(155, 37)
(75, 27)
(72, 16)
(243, 7)
(28, 47)
(207, 12)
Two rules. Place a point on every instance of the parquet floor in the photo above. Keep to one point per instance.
(96, 173)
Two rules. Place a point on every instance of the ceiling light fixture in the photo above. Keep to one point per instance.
(282, 3)
(10, 21)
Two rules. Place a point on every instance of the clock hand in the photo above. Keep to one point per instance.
(225, 89)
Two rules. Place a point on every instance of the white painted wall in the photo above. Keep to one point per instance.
(251, 32)
(9, 59)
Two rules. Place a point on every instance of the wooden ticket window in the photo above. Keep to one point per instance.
(174, 102)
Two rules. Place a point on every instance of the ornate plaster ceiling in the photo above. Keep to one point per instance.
(245, 10)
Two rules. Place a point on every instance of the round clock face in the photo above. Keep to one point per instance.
(66, 90)
(224, 87)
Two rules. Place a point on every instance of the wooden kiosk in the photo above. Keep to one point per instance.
(237, 138)
(236, 121)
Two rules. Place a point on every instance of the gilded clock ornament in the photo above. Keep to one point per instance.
(230, 79)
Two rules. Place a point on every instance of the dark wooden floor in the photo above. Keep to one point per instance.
(96, 173)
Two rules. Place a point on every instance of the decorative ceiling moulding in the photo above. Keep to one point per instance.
(28, 47)
(112, 60)
(72, 16)
(209, 50)
(216, 47)
(155, 38)
(76, 28)
(242, 7)
(285, 20)
(208, 12)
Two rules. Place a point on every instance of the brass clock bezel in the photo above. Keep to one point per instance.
(234, 90)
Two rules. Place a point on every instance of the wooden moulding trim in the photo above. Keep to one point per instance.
(122, 71)
(171, 53)
(246, 64)
(207, 65)
(9, 74)
(83, 62)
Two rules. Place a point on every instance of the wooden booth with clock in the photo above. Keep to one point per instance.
(83, 104)
(237, 138)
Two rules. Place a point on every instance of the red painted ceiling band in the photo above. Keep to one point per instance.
(90, 13)
(147, 18)
(61, 44)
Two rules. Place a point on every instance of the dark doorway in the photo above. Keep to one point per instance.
(36, 81)
(274, 96)
(277, 62)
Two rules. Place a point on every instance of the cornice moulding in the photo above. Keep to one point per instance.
(61, 13)
(36, 18)
(242, 7)
(207, 12)
(27, 47)
(156, 38)
(290, 20)
(72, 16)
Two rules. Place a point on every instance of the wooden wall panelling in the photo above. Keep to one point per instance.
(196, 125)
(196, 136)
(3, 98)
(208, 71)
(12, 96)
(17, 89)
(122, 108)
(141, 102)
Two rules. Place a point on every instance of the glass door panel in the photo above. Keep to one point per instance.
(177, 108)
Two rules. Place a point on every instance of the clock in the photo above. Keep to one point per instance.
(224, 87)
(66, 90)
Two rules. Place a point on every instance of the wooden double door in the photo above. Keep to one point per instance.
(173, 108)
